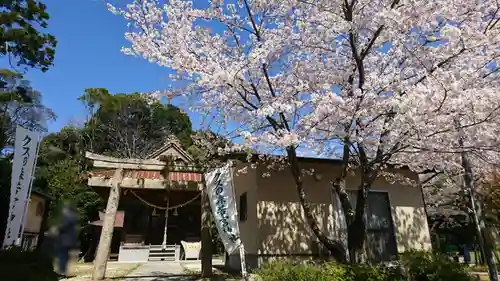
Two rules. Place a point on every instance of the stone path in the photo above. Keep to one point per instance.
(166, 271)
(114, 270)
(160, 271)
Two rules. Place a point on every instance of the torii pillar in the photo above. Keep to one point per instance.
(119, 165)
(206, 239)
(101, 259)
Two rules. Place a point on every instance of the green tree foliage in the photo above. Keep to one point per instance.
(65, 181)
(131, 125)
(5, 172)
(205, 148)
(19, 265)
(61, 172)
(118, 125)
(21, 105)
(21, 38)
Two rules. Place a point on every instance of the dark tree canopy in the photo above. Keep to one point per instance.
(21, 38)
(5, 171)
(131, 125)
(118, 125)
(61, 172)
(21, 105)
(65, 180)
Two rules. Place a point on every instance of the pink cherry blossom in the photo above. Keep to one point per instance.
(388, 80)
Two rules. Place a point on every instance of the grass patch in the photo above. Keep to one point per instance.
(83, 271)
(217, 275)
(126, 271)
(478, 268)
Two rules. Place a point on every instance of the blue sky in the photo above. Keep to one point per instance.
(88, 56)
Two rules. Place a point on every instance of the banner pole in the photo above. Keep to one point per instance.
(241, 247)
(244, 272)
(26, 204)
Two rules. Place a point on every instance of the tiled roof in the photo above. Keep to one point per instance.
(154, 175)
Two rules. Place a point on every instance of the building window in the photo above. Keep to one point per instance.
(380, 243)
(243, 207)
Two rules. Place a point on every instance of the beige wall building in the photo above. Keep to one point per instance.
(36, 216)
(273, 225)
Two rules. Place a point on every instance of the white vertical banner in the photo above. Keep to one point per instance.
(222, 201)
(25, 154)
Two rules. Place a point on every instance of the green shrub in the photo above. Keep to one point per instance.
(17, 265)
(337, 271)
(287, 271)
(362, 272)
(417, 266)
(433, 267)
(394, 272)
(282, 270)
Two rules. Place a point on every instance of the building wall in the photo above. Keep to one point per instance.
(34, 215)
(408, 212)
(246, 181)
(280, 227)
(280, 220)
(409, 217)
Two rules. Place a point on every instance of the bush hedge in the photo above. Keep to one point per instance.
(18, 265)
(281, 271)
(417, 266)
(433, 267)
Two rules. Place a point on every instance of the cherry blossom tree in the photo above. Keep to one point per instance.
(379, 83)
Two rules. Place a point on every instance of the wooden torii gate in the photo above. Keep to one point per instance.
(117, 182)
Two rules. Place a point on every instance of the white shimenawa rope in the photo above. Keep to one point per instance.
(164, 208)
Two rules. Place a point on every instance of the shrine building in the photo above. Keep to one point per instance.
(160, 208)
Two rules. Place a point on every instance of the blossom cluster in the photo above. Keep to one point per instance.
(410, 82)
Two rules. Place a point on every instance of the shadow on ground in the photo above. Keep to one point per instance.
(159, 276)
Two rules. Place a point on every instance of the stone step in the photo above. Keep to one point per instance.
(159, 247)
(158, 253)
(162, 254)
(161, 258)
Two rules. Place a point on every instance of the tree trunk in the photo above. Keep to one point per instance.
(108, 225)
(3, 136)
(206, 239)
(338, 188)
(356, 232)
(486, 247)
(355, 219)
(334, 247)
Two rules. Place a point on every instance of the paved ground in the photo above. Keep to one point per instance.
(159, 271)
(83, 271)
(167, 271)
(481, 276)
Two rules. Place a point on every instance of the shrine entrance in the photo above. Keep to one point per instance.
(160, 203)
(147, 212)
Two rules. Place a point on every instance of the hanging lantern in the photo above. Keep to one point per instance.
(175, 212)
